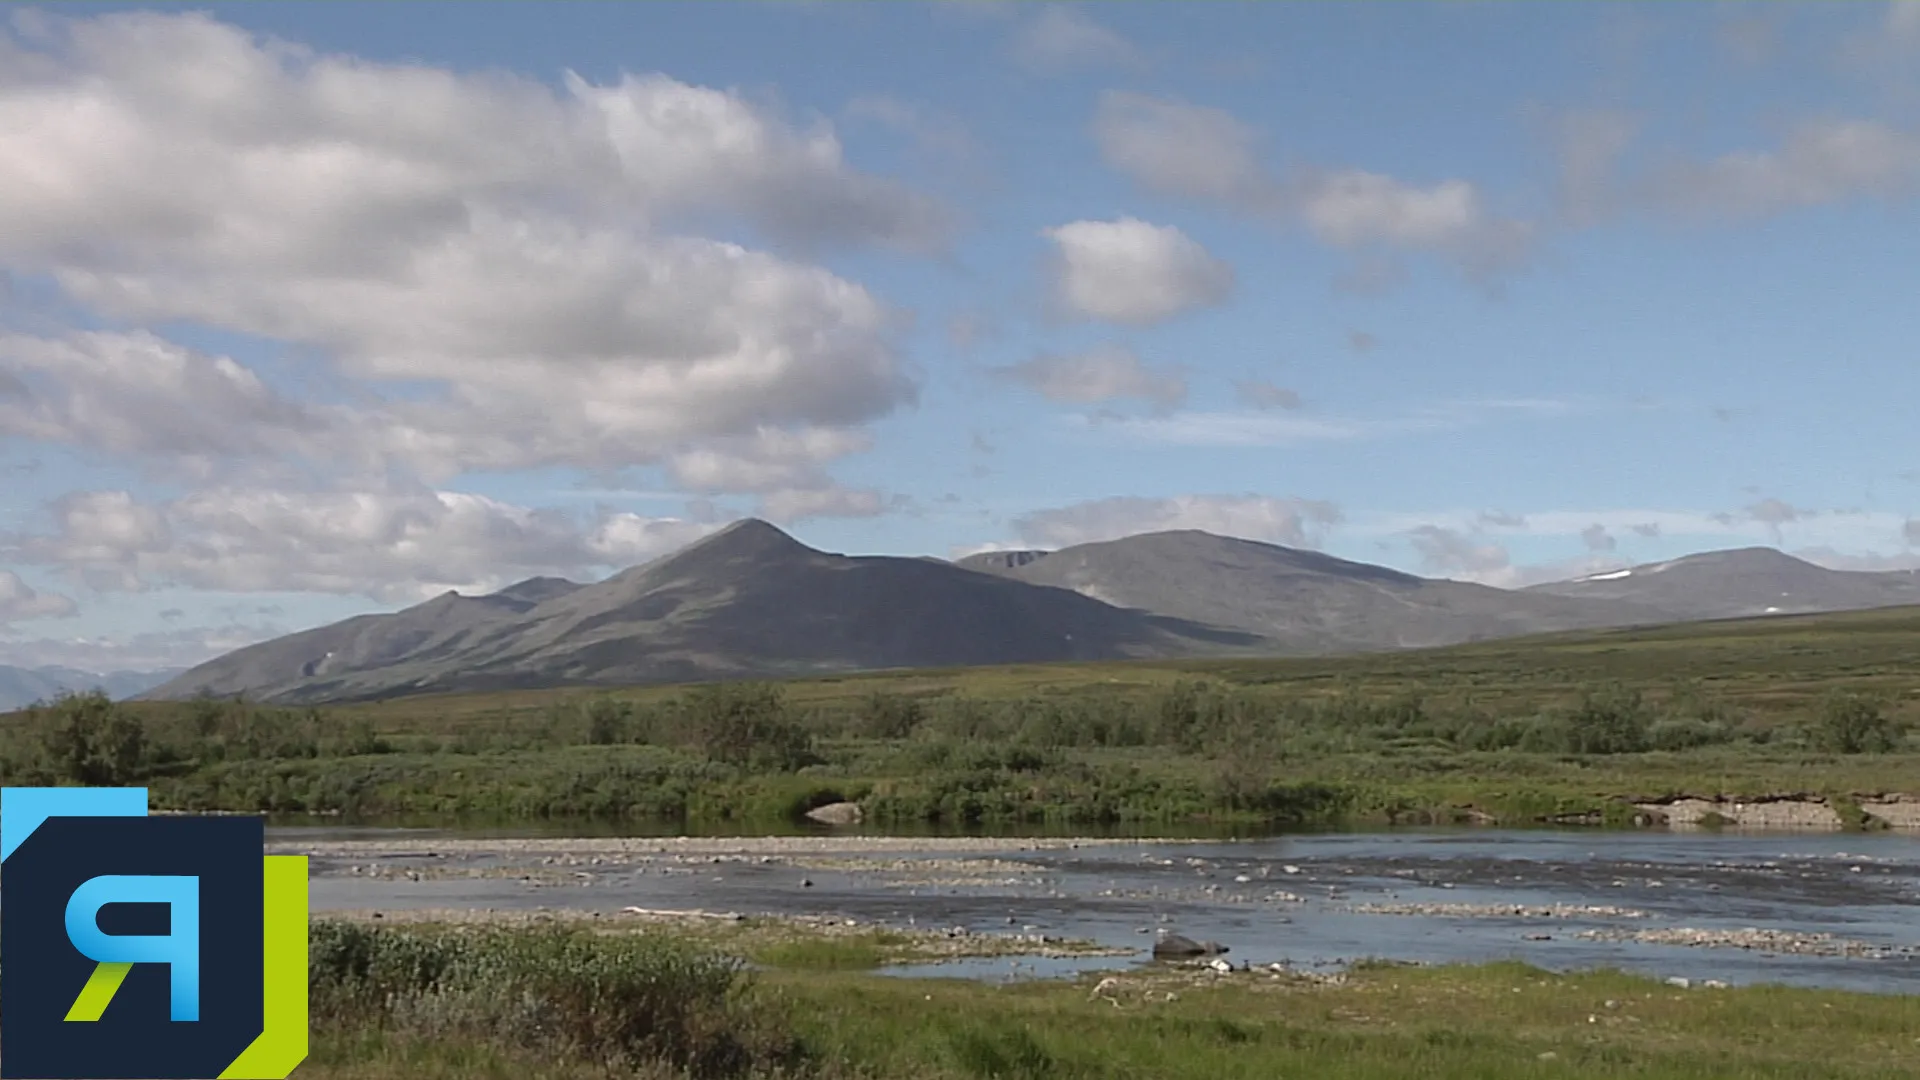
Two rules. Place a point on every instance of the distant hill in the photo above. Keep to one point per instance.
(751, 601)
(20, 687)
(746, 601)
(1743, 582)
(1303, 602)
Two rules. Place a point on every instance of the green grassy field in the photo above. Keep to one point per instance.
(417, 1002)
(1515, 731)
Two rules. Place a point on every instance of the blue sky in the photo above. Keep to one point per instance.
(314, 309)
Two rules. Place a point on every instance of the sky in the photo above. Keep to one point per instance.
(311, 310)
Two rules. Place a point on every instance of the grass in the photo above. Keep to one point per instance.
(422, 1002)
(1565, 727)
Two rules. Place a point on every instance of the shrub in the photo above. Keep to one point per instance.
(888, 716)
(1854, 724)
(1686, 734)
(93, 742)
(748, 725)
(1611, 720)
(623, 1000)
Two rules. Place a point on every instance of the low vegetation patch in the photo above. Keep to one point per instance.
(1570, 728)
(569, 1003)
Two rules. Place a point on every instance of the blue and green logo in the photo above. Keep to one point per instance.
(136, 946)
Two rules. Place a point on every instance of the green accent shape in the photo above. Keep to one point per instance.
(98, 993)
(282, 1043)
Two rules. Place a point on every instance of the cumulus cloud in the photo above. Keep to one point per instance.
(1290, 521)
(1451, 552)
(1770, 513)
(1190, 151)
(1103, 373)
(1061, 39)
(1198, 152)
(1269, 428)
(20, 601)
(389, 546)
(137, 396)
(1468, 555)
(1903, 22)
(1500, 520)
(1261, 394)
(498, 252)
(175, 647)
(1597, 538)
(1819, 162)
(1133, 272)
(797, 504)
(1590, 144)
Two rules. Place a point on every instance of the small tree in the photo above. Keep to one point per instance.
(1854, 724)
(748, 724)
(608, 721)
(889, 716)
(1612, 720)
(93, 742)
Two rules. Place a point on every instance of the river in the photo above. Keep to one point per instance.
(1816, 909)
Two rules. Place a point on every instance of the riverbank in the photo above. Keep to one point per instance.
(1559, 899)
(411, 1001)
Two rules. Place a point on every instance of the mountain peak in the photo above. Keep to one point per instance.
(748, 538)
(536, 589)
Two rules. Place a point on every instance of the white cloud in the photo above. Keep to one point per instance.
(146, 651)
(139, 397)
(1104, 373)
(796, 504)
(1062, 39)
(1819, 162)
(769, 459)
(1261, 394)
(1910, 531)
(1903, 21)
(1191, 151)
(1197, 152)
(1294, 522)
(1598, 539)
(1869, 561)
(495, 248)
(1451, 552)
(389, 546)
(1132, 272)
(19, 601)
(1266, 428)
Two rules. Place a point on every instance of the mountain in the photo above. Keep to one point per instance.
(751, 601)
(1302, 602)
(21, 687)
(748, 600)
(1743, 582)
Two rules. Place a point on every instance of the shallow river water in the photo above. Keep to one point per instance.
(1838, 910)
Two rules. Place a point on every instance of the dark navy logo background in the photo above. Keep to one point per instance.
(42, 973)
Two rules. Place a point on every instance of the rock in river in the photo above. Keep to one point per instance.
(1176, 946)
(840, 813)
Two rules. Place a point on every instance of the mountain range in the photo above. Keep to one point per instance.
(20, 687)
(751, 601)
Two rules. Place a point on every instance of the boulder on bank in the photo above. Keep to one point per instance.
(1179, 947)
(840, 813)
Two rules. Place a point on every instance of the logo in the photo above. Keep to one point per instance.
(132, 946)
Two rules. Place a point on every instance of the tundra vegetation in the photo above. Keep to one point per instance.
(1516, 731)
(573, 1004)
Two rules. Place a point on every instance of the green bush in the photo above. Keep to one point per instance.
(1610, 720)
(1854, 724)
(626, 1001)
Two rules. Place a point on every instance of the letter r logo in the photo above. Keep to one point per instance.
(179, 948)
